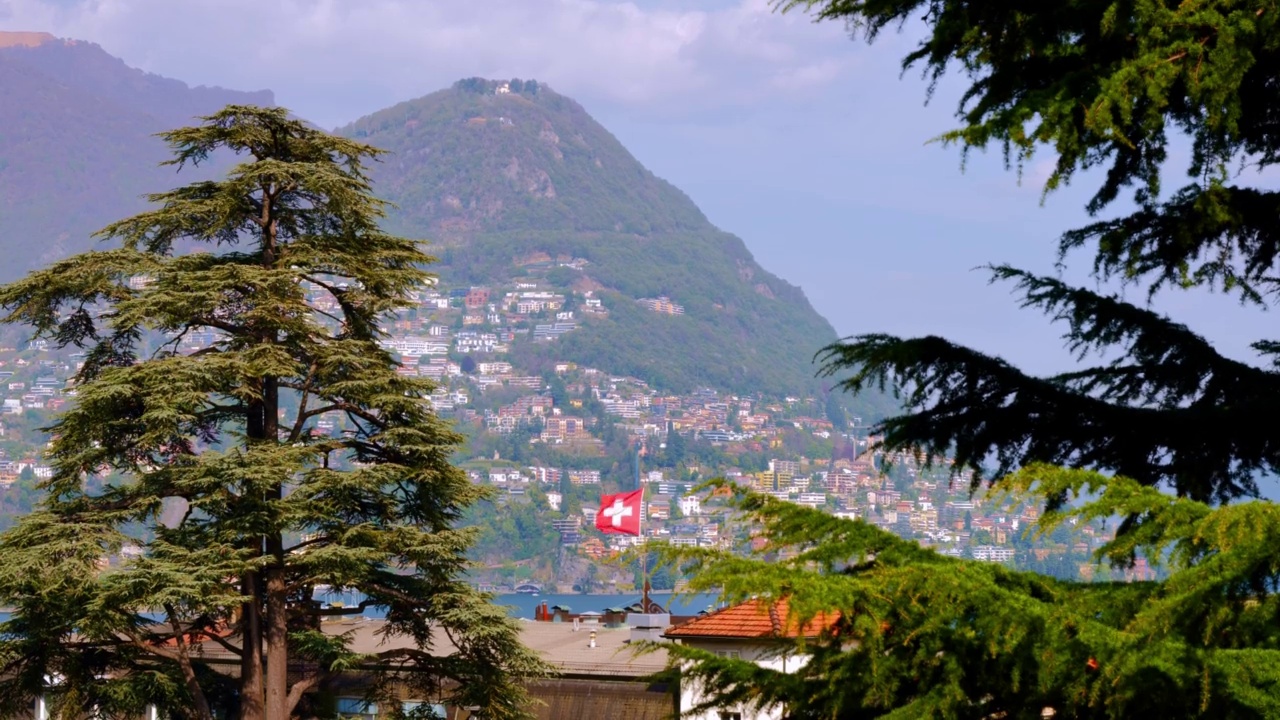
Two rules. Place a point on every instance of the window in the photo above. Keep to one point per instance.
(356, 709)
(730, 715)
(423, 710)
(730, 654)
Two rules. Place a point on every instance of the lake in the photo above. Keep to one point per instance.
(522, 605)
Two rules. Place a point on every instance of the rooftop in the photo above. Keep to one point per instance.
(567, 650)
(757, 618)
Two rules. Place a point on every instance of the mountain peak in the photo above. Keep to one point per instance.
(518, 186)
(24, 39)
(537, 159)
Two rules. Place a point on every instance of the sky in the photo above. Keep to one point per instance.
(811, 146)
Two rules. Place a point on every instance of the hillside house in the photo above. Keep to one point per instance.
(560, 429)
(757, 631)
(553, 330)
(476, 298)
(663, 305)
(659, 507)
(690, 506)
(545, 475)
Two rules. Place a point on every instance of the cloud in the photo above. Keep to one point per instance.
(335, 59)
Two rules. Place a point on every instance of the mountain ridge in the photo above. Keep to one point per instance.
(491, 171)
(649, 199)
(77, 143)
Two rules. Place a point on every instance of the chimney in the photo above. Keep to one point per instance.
(648, 626)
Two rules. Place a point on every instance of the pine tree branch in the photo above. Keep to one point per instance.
(227, 327)
(337, 612)
(150, 647)
(304, 391)
(1220, 236)
(404, 654)
(981, 408)
(1163, 363)
(308, 543)
(184, 663)
(301, 687)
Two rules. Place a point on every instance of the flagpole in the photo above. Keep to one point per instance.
(645, 602)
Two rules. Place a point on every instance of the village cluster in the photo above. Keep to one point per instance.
(463, 340)
(935, 513)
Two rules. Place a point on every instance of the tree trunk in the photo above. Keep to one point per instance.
(277, 645)
(276, 633)
(251, 696)
(260, 685)
(251, 700)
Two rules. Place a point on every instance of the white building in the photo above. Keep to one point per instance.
(757, 631)
(811, 499)
(690, 506)
(413, 346)
(993, 553)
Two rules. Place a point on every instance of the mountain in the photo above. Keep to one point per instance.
(507, 177)
(511, 182)
(77, 144)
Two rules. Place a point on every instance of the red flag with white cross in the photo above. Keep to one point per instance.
(620, 513)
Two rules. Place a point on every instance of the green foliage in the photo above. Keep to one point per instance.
(1106, 85)
(513, 531)
(266, 511)
(1097, 85)
(1102, 85)
(913, 634)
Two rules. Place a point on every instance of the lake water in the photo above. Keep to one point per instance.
(522, 605)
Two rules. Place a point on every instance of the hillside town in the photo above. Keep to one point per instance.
(550, 439)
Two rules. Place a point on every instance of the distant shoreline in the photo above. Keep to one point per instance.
(601, 594)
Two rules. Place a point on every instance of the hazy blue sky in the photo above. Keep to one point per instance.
(809, 146)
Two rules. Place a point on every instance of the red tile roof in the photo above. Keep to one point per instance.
(756, 618)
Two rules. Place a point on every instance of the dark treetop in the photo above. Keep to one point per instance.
(1107, 85)
(909, 633)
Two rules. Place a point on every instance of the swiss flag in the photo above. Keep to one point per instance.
(620, 513)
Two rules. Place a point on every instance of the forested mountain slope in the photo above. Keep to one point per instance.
(504, 175)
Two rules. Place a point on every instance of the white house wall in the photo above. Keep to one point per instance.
(692, 692)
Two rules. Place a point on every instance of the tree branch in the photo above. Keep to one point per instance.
(301, 687)
(305, 395)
